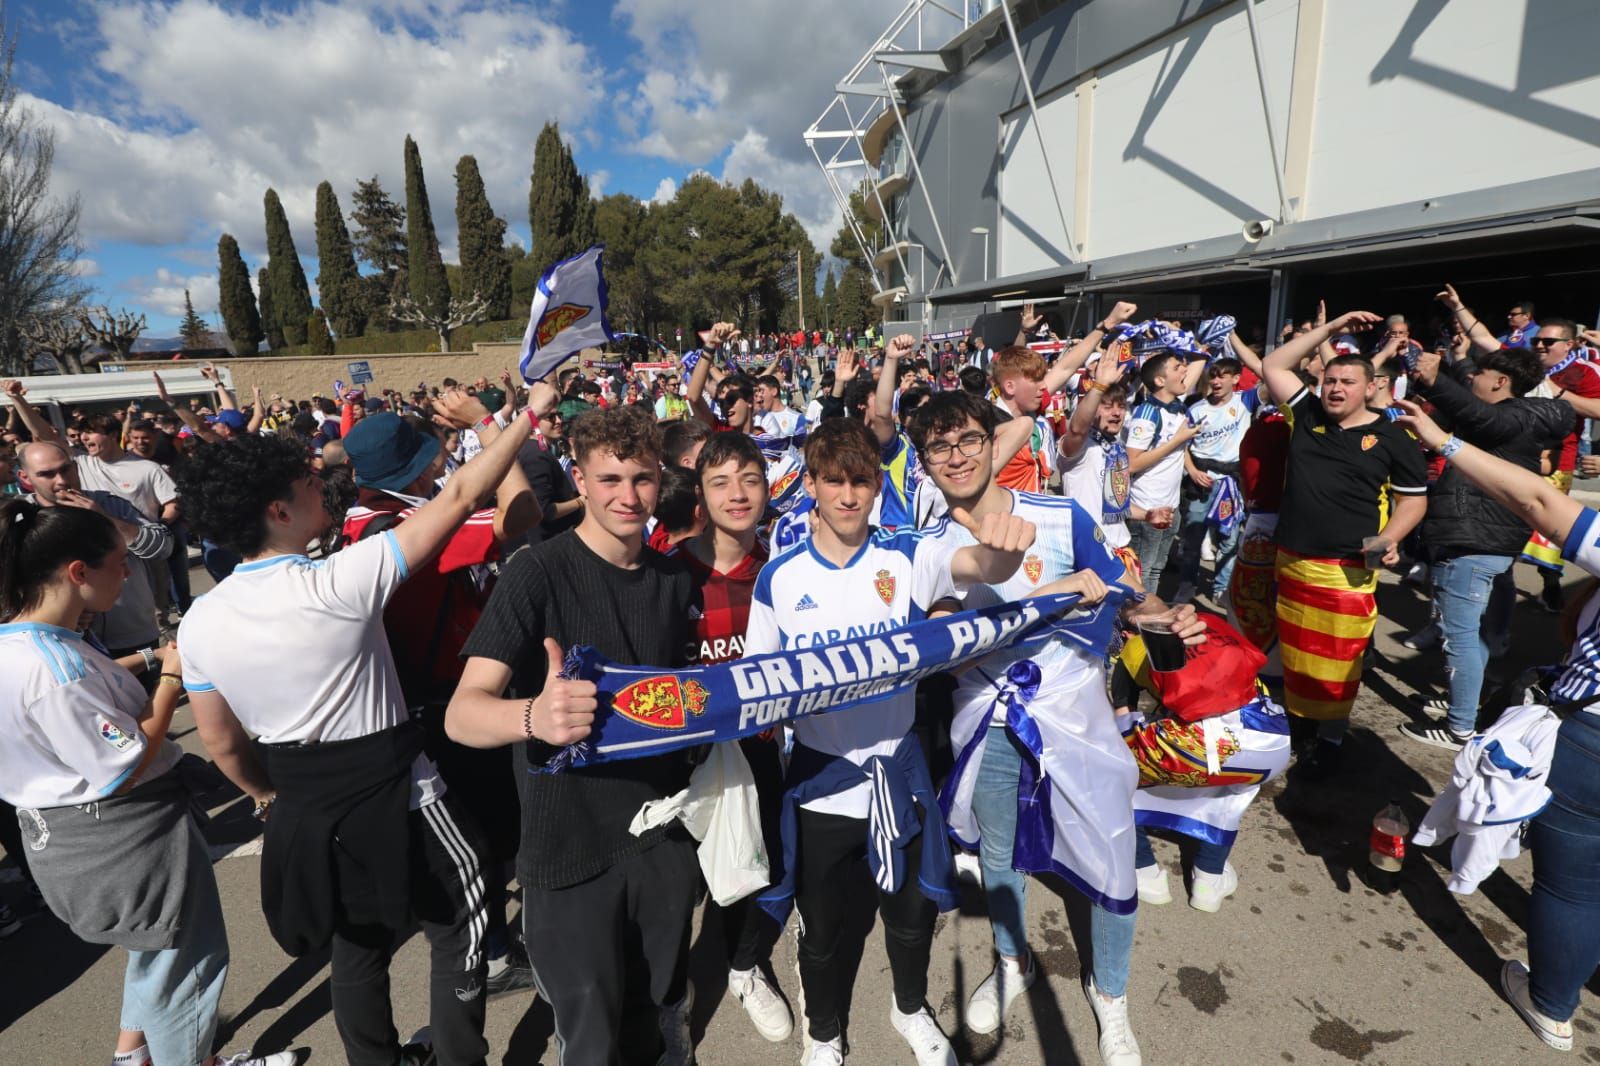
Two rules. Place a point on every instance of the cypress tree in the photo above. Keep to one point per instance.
(318, 340)
(238, 303)
(338, 282)
(485, 270)
(291, 295)
(192, 328)
(269, 313)
(830, 301)
(560, 212)
(429, 286)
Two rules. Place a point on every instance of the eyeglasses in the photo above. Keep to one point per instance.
(1548, 342)
(939, 451)
(1516, 312)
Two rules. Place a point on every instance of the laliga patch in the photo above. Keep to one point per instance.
(114, 736)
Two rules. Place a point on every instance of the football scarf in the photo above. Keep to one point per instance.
(1151, 336)
(1214, 333)
(647, 711)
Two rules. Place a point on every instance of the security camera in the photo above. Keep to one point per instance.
(899, 297)
(1256, 229)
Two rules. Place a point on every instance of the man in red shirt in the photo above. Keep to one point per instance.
(723, 563)
(429, 618)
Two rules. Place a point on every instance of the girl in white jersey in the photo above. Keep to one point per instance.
(88, 766)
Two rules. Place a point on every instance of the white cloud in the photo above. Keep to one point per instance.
(804, 191)
(85, 267)
(163, 294)
(598, 180)
(665, 191)
(288, 99)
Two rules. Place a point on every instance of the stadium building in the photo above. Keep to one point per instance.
(1249, 156)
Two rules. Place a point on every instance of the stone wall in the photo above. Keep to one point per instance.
(298, 377)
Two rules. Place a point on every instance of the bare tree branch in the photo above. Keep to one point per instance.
(115, 331)
(462, 312)
(60, 336)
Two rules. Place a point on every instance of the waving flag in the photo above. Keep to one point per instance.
(568, 314)
(645, 710)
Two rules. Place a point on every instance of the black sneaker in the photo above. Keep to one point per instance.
(1437, 735)
(418, 1054)
(514, 974)
(1323, 761)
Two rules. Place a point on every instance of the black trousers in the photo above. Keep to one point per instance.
(747, 931)
(608, 951)
(831, 850)
(447, 899)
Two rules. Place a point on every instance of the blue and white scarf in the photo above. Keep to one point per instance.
(1151, 336)
(647, 710)
(1214, 333)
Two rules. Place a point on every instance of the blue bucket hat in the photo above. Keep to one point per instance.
(387, 453)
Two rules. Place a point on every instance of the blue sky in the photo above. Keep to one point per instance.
(172, 117)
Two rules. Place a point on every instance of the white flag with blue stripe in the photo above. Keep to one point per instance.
(568, 314)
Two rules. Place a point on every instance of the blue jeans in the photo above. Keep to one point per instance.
(1152, 546)
(1193, 536)
(1461, 590)
(1564, 918)
(1208, 858)
(994, 805)
(174, 996)
(219, 561)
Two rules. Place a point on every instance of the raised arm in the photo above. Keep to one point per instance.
(1247, 355)
(516, 508)
(186, 416)
(1479, 333)
(225, 398)
(883, 400)
(38, 425)
(1068, 362)
(1278, 368)
(701, 374)
(258, 413)
(1543, 506)
(1081, 424)
(425, 533)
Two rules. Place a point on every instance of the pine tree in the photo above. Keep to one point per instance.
(269, 313)
(560, 212)
(318, 340)
(291, 296)
(485, 270)
(238, 303)
(380, 233)
(338, 282)
(428, 285)
(193, 328)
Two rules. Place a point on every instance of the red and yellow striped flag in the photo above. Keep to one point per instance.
(1327, 609)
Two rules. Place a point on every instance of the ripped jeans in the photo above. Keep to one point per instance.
(1461, 588)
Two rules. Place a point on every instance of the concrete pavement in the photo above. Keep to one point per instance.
(1305, 964)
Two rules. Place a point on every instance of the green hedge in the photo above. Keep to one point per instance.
(417, 340)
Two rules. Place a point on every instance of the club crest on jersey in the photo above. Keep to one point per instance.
(661, 702)
(1033, 566)
(884, 583)
(781, 486)
(114, 736)
(1368, 441)
(557, 319)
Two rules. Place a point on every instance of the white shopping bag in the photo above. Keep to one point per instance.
(721, 810)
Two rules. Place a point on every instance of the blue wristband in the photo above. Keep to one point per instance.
(1451, 445)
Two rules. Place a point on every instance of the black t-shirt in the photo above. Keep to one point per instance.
(1337, 489)
(575, 823)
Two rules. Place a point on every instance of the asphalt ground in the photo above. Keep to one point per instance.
(1305, 964)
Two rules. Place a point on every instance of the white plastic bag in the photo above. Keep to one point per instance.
(721, 810)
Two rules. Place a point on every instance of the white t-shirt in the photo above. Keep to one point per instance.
(784, 422)
(70, 717)
(802, 600)
(141, 482)
(298, 649)
(1102, 487)
(1149, 426)
(1221, 426)
(1067, 540)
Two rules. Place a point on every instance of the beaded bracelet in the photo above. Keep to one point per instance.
(1451, 445)
(527, 719)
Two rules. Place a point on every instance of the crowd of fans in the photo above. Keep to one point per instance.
(399, 575)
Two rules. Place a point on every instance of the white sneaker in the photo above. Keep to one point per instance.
(927, 1040)
(1207, 891)
(1514, 983)
(969, 867)
(1117, 1045)
(1153, 885)
(676, 1037)
(988, 1005)
(245, 1058)
(830, 1053)
(1208, 550)
(767, 1009)
(1185, 593)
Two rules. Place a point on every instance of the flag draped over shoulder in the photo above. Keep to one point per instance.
(645, 710)
(568, 314)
